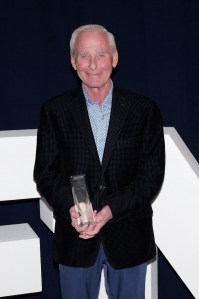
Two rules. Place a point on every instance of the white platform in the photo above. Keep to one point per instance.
(46, 214)
(176, 211)
(17, 155)
(176, 221)
(20, 264)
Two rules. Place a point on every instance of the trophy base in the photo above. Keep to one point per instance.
(87, 223)
(86, 214)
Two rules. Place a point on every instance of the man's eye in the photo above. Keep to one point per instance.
(84, 56)
(101, 55)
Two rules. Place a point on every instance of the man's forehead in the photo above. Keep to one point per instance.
(91, 36)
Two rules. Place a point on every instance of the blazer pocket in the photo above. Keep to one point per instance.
(128, 142)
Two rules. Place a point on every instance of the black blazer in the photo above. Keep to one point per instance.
(128, 179)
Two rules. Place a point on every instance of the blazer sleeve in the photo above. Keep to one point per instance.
(137, 196)
(49, 178)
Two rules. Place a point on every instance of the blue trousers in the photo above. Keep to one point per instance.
(84, 283)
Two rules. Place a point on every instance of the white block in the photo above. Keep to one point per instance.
(17, 155)
(176, 221)
(46, 214)
(20, 264)
(151, 290)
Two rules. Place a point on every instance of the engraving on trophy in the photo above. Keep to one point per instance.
(81, 199)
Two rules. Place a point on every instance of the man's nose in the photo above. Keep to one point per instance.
(93, 63)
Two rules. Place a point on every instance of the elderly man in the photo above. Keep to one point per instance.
(114, 138)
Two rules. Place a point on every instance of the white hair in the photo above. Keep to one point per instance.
(91, 27)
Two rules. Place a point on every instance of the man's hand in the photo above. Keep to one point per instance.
(101, 218)
(75, 220)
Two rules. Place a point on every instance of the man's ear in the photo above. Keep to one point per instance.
(72, 60)
(115, 59)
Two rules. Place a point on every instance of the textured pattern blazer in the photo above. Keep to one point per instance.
(129, 178)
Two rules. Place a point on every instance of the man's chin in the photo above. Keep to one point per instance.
(94, 85)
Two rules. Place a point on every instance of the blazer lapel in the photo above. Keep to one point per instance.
(118, 115)
(79, 110)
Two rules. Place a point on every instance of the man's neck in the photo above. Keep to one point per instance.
(98, 95)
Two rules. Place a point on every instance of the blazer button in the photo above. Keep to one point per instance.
(102, 188)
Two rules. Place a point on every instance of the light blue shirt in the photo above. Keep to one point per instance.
(99, 120)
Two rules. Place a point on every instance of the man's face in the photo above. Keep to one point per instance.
(93, 59)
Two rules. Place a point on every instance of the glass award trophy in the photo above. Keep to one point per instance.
(81, 199)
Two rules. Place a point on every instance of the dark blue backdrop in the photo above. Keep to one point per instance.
(158, 43)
